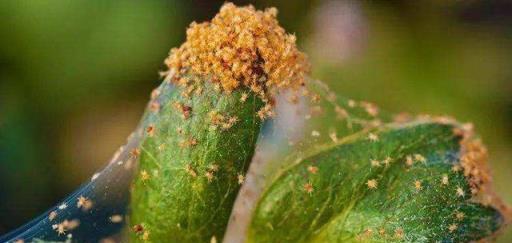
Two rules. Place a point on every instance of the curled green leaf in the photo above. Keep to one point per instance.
(411, 182)
(192, 158)
(201, 136)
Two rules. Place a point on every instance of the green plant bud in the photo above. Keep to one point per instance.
(200, 137)
(193, 153)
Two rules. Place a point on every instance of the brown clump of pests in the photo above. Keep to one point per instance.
(242, 46)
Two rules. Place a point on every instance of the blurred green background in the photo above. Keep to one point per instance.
(75, 76)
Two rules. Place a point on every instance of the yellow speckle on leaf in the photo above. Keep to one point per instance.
(241, 179)
(308, 187)
(368, 232)
(452, 227)
(387, 161)
(351, 103)
(223, 121)
(399, 233)
(333, 137)
(209, 176)
(372, 184)
(213, 167)
(244, 97)
(420, 158)
(444, 179)
(312, 169)
(456, 168)
(179, 130)
(144, 176)
(340, 113)
(373, 137)
(190, 171)
(417, 185)
(161, 147)
(409, 161)
(370, 108)
(315, 98)
(187, 143)
(459, 216)
(265, 112)
(145, 235)
(460, 191)
(375, 163)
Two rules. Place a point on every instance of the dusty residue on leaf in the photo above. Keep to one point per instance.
(242, 46)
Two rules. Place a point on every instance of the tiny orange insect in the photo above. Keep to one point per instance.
(138, 228)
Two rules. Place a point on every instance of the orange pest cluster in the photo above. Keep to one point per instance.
(242, 46)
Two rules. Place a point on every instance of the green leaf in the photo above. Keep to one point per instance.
(404, 184)
(197, 146)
